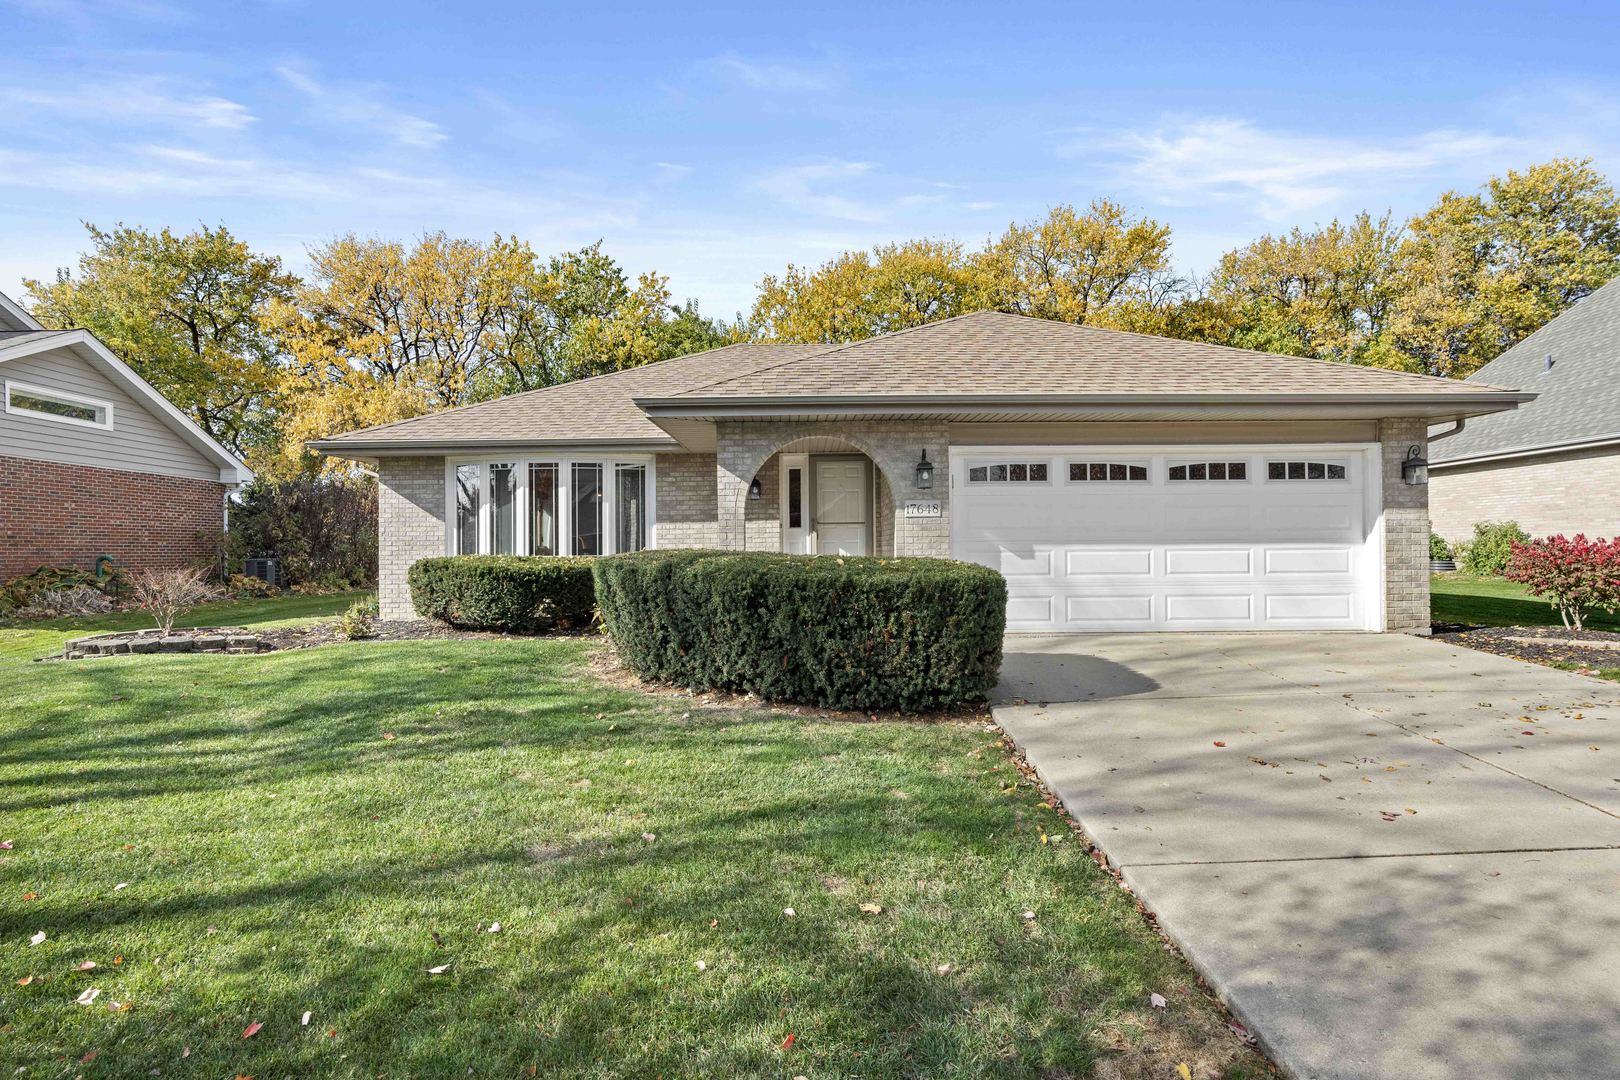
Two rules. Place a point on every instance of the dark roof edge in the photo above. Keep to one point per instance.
(682, 405)
(340, 447)
(1535, 450)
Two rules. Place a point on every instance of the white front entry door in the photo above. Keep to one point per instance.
(841, 507)
(1094, 539)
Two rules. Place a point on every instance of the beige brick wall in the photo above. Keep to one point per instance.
(745, 447)
(1406, 530)
(1569, 493)
(686, 506)
(410, 526)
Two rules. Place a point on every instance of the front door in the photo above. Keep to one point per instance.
(841, 507)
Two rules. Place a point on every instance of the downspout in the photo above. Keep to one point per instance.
(1448, 434)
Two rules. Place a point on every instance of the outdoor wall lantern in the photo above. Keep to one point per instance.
(1415, 469)
(755, 491)
(925, 472)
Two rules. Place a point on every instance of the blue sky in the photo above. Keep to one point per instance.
(718, 142)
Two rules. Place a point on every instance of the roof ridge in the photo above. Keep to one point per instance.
(543, 389)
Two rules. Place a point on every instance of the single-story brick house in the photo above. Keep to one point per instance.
(1118, 481)
(1554, 465)
(94, 461)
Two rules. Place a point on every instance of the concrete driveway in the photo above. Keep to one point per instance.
(1379, 871)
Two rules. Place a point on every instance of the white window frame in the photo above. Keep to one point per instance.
(989, 463)
(565, 462)
(1247, 461)
(1345, 463)
(1128, 462)
(65, 398)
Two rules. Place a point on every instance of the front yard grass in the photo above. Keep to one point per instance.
(27, 640)
(1490, 601)
(317, 830)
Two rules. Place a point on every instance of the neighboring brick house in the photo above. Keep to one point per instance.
(94, 461)
(1554, 465)
(1118, 481)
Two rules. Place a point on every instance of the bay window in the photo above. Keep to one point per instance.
(548, 505)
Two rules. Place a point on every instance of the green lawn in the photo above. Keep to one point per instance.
(284, 855)
(25, 640)
(1487, 601)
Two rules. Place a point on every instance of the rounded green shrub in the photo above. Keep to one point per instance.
(850, 633)
(524, 594)
(1488, 551)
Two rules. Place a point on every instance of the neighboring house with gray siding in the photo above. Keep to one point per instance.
(1554, 464)
(94, 461)
(1118, 481)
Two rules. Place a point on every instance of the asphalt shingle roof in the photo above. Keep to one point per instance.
(991, 353)
(1580, 394)
(590, 410)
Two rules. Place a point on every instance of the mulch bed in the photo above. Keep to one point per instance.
(1588, 651)
(311, 635)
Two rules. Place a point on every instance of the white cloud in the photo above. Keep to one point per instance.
(354, 103)
(810, 187)
(670, 171)
(1281, 175)
(779, 77)
(145, 100)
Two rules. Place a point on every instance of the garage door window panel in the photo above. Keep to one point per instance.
(1009, 472)
(1192, 472)
(1307, 470)
(1108, 472)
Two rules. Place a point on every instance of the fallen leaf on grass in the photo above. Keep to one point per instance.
(944, 969)
(117, 1006)
(86, 965)
(494, 928)
(871, 909)
(305, 1021)
(789, 912)
(252, 1029)
(1157, 1001)
(440, 970)
(89, 1056)
(89, 996)
(1028, 916)
(37, 938)
(25, 980)
(701, 966)
(787, 1043)
(121, 885)
(1182, 1070)
(388, 736)
(649, 837)
(5, 845)
(30, 896)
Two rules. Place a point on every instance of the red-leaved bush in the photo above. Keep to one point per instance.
(1576, 575)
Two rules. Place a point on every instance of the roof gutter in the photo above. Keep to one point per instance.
(1529, 451)
(351, 448)
(771, 405)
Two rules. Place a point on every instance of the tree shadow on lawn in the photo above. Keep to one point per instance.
(595, 972)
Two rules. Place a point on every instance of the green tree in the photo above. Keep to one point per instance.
(1478, 273)
(859, 293)
(188, 313)
(1101, 266)
(1325, 293)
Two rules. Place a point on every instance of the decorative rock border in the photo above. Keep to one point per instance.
(214, 639)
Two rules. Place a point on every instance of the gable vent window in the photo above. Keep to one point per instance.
(1012, 472)
(1210, 470)
(1107, 471)
(1305, 470)
(43, 404)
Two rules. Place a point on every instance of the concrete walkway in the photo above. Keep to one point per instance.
(1378, 871)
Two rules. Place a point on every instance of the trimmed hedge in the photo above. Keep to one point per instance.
(852, 633)
(524, 594)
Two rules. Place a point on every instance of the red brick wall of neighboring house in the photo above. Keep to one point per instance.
(66, 515)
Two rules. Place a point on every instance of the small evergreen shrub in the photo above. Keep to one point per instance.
(849, 633)
(360, 621)
(523, 594)
(1487, 553)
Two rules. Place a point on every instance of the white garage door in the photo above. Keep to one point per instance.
(1184, 538)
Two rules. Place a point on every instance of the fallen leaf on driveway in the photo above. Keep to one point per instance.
(1157, 1001)
(252, 1029)
(1219, 743)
